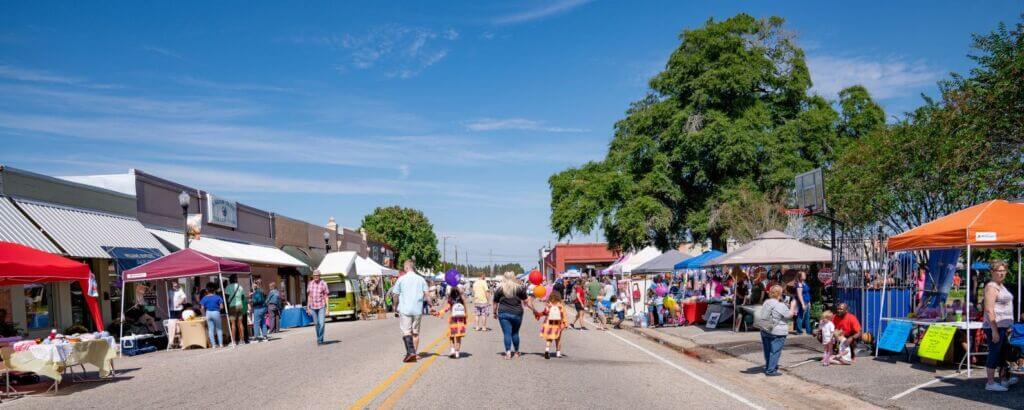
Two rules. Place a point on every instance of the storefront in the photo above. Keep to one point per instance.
(226, 229)
(305, 242)
(81, 222)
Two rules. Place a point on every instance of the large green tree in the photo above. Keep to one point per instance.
(408, 231)
(730, 114)
(963, 149)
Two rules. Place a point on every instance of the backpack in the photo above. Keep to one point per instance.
(1017, 335)
(258, 299)
(763, 319)
(555, 313)
(458, 310)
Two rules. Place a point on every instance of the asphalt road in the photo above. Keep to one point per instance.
(362, 367)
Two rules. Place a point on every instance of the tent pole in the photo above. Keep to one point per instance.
(969, 310)
(227, 309)
(1018, 284)
(121, 318)
(881, 307)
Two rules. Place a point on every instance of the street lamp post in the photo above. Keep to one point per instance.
(327, 241)
(183, 200)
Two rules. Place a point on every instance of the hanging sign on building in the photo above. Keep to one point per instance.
(221, 212)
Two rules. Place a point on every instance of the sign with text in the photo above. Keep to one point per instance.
(894, 338)
(713, 320)
(221, 212)
(936, 342)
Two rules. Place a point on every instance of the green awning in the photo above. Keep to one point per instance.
(302, 255)
(316, 256)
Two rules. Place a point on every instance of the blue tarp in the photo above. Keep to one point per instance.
(698, 261)
(979, 265)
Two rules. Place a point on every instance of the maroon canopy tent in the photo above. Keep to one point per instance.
(183, 264)
(20, 265)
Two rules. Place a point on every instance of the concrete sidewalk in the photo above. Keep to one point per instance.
(887, 381)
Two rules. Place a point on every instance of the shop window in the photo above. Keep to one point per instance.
(39, 304)
(79, 311)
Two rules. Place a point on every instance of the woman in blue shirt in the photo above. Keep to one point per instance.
(212, 303)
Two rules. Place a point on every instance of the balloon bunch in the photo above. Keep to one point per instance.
(452, 277)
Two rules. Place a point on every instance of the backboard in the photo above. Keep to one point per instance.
(809, 191)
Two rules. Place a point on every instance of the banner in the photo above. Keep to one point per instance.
(936, 342)
(939, 280)
(894, 338)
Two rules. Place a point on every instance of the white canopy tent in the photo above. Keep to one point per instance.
(626, 266)
(338, 263)
(774, 248)
(368, 267)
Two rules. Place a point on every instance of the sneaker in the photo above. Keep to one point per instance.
(411, 358)
(558, 355)
(773, 374)
(457, 354)
(1009, 382)
(995, 387)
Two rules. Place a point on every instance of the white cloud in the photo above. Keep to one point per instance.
(547, 9)
(40, 76)
(523, 124)
(196, 82)
(163, 51)
(398, 51)
(885, 78)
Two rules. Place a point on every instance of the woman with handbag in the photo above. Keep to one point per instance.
(773, 320)
(996, 325)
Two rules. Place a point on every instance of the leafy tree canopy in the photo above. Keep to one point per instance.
(408, 231)
(730, 112)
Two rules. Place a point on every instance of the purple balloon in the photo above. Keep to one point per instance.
(451, 277)
(661, 290)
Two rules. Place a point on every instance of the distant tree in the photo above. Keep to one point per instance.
(408, 231)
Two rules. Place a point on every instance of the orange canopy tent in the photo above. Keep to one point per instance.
(993, 224)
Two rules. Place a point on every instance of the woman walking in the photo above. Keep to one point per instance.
(998, 319)
(509, 300)
(773, 322)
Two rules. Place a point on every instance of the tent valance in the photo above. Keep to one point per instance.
(773, 248)
(996, 223)
(21, 265)
(369, 267)
(184, 264)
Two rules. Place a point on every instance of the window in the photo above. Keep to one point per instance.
(38, 305)
(336, 289)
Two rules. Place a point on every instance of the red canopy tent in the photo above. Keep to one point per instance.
(20, 265)
(183, 264)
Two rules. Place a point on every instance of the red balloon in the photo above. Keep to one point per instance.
(536, 278)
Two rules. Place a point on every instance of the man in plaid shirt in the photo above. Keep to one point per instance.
(316, 304)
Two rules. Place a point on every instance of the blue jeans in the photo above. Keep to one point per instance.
(995, 358)
(772, 346)
(510, 323)
(259, 322)
(319, 315)
(802, 322)
(656, 318)
(213, 325)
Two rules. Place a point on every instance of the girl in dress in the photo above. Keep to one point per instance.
(553, 322)
(456, 322)
(827, 330)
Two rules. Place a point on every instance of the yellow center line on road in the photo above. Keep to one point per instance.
(392, 399)
(380, 388)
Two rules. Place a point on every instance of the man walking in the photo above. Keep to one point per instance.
(316, 304)
(411, 290)
(481, 302)
(594, 289)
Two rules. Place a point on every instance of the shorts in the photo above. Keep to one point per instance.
(481, 309)
(410, 325)
(578, 306)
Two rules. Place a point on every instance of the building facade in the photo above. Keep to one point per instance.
(585, 257)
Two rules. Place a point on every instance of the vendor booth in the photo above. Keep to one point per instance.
(661, 264)
(21, 265)
(993, 224)
(185, 264)
(336, 269)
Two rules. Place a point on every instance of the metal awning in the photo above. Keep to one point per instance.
(83, 233)
(15, 227)
(300, 254)
(243, 252)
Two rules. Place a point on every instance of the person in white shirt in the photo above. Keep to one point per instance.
(827, 330)
(177, 298)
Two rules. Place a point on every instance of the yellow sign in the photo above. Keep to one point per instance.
(936, 342)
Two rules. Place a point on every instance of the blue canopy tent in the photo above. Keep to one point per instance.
(698, 261)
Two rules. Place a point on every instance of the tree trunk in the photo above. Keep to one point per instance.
(718, 241)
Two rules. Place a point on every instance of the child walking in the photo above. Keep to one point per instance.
(828, 330)
(553, 322)
(456, 322)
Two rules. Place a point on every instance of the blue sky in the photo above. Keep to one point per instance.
(461, 109)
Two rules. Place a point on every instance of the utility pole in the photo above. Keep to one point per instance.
(491, 255)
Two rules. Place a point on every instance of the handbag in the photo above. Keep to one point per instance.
(763, 319)
(1017, 335)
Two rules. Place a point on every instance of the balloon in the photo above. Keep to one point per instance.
(548, 290)
(540, 291)
(670, 303)
(661, 290)
(536, 277)
(451, 277)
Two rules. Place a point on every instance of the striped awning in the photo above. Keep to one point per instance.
(242, 252)
(83, 233)
(16, 228)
